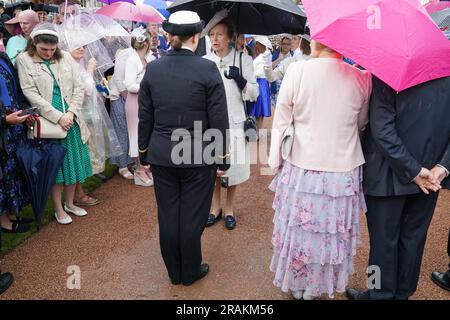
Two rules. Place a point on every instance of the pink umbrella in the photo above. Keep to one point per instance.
(435, 6)
(395, 40)
(114, 1)
(129, 12)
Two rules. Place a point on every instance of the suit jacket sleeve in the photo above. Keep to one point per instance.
(218, 113)
(445, 161)
(146, 116)
(382, 119)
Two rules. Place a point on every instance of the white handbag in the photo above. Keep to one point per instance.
(288, 140)
(45, 129)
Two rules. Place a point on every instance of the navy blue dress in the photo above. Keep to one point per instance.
(13, 191)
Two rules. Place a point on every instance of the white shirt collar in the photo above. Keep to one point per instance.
(187, 48)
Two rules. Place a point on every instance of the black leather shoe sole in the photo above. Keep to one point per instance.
(437, 278)
(8, 282)
(353, 294)
(204, 269)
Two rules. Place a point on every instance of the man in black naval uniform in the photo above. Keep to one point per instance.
(181, 96)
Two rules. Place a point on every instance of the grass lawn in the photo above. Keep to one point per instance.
(10, 241)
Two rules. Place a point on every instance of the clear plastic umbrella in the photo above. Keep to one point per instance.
(101, 36)
(82, 29)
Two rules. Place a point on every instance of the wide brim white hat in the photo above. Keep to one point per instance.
(264, 40)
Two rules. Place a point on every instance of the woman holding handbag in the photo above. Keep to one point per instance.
(240, 85)
(50, 79)
(318, 189)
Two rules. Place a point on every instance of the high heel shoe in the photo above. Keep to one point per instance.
(141, 179)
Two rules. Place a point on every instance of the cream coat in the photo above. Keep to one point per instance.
(239, 171)
(328, 101)
(37, 85)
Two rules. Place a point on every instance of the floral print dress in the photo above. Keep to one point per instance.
(316, 229)
(13, 191)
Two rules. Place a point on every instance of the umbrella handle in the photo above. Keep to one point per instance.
(38, 128)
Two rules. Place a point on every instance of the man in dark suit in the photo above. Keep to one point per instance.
(407, 152)
(154, 46)
(182, 97)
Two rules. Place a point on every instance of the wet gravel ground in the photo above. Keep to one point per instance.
(116, 248)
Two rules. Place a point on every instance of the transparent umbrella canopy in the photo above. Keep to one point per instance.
(82, 29)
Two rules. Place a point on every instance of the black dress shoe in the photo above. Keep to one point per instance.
(17, 228)
(23, 220)
(230, 222)
(212, 219)
(6, 280)
(175, 283)
(204, 269)
(353, 294)
(441, 279)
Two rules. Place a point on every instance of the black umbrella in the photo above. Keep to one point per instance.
(40, 162)
(262, 17)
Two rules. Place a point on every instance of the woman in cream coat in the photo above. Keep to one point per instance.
(237, 88)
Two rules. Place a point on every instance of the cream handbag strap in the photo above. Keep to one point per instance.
(59, 82)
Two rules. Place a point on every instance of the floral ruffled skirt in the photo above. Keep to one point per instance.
(316, 229)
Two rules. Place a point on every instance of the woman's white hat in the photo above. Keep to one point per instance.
(264, 40)
(219, 16)
(46, 28)
(183, 23)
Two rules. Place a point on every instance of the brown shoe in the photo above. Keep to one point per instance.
(86, 201)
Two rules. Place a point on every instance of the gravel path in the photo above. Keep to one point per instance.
(117, 250)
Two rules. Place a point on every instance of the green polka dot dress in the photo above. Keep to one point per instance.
(76, 166)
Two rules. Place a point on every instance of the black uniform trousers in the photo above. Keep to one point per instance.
(183, 196)
(398, 227)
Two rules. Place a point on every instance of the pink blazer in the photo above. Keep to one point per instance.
(328, 101)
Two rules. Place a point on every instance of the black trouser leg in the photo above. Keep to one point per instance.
(384, 223)
(197, 186)
(416, 220)
(167, 191)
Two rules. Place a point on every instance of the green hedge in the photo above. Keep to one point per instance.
(10, 241)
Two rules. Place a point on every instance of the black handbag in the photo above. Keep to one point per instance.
(250, 126)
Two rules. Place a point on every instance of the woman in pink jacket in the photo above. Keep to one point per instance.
(318, 190)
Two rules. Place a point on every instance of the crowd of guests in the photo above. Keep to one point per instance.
(36, 73)
(354, 148)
